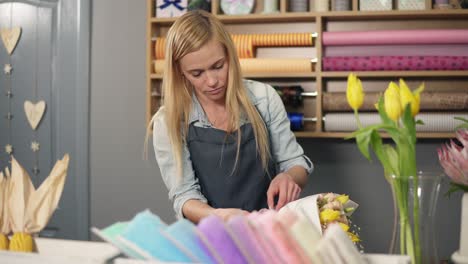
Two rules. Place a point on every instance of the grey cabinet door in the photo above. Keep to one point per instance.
(49, 63)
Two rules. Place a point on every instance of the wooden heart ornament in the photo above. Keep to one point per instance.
(10, 38)
(34, 112)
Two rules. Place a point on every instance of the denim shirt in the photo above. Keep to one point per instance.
(285, 150)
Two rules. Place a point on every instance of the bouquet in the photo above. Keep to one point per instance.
(334, 208)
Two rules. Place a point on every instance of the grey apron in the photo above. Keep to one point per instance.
(213, 154)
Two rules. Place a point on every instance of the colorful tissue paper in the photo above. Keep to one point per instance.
(111, 233)
(186, 233)
(285, 245)
(245, 236)
(143, 232)
(266, 236)
(170, 8)
(214, 229)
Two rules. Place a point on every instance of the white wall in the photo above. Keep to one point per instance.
(121, 184)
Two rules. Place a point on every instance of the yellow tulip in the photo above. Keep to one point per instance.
(354, 92)
(22, 242)
(392, 101)
(408, 97)
(3, 242)
(329, 215)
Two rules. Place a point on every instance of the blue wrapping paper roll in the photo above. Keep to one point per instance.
(297, 122)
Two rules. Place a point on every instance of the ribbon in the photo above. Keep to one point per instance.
(171, 2)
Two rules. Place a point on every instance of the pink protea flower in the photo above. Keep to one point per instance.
(454, 158)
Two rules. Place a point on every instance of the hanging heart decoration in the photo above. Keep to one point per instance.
(10, 38)
(34, 112)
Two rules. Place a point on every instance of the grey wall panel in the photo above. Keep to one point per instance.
(51, 64)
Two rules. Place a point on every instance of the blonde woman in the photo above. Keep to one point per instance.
(223, 144)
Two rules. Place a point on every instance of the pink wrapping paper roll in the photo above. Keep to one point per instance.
(397, 50)
(433, 122)
(385, 37)
(395, 63)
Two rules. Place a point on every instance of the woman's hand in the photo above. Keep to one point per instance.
(226, 213)
(285, 187)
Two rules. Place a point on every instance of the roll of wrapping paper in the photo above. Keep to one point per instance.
(397, 50)
(395, 63)
(433, 122)
(244, 46)
(385, 37)
(277, 66)
(283, 39)
(246, 43)
(322, 6)
(159, 48)
(158, 66)
(440, 101)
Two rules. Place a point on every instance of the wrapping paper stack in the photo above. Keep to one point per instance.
(396, 50)
(25, 210)
(246, 45)
(290, 235)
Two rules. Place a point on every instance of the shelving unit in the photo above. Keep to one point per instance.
(323, 81)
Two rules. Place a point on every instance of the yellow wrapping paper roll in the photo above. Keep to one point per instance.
(262, 65)
(276, 65)
(158, 66)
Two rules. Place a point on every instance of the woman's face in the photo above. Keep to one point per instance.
(207, 70)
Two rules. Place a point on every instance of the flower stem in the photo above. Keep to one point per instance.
(356, 115)
(417, 241)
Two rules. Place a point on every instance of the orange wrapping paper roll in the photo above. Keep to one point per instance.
(283, 39)
(159, 48)
(245, 43)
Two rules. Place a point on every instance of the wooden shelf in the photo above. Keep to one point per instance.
(321, 81)
(332, 16)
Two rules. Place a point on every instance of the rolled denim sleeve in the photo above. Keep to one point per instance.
(284, 147)
(187, 188)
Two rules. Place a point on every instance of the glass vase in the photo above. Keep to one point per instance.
(415, 200)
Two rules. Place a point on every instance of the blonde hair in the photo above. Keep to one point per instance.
(188, 34)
